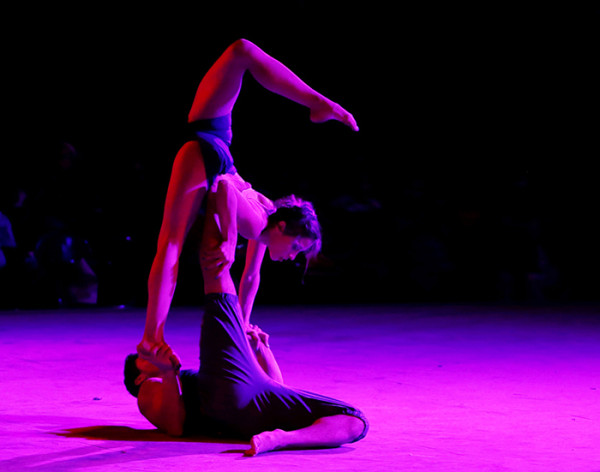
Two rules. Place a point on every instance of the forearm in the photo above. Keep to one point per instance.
(153, 331)
(266, 359)
(248, 290)
(251, 277)
(154, 327)
(161, 286)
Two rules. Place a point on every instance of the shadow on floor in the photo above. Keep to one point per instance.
(125, 433)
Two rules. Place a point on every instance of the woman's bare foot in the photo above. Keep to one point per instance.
(327, 110)
(265, 442)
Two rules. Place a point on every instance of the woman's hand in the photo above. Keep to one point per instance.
(257, 336)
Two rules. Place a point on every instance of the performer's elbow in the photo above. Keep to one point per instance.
(251, 278)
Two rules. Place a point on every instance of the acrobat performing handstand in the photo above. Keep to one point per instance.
(238, 390)
(204, 160)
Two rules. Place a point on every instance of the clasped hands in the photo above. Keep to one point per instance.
(256, 337)
(160, 354)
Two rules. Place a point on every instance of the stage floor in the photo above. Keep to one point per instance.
(446, 388)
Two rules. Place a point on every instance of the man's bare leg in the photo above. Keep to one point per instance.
(330, 431)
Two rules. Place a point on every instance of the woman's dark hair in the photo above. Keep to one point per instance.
(300, 220)
(131, 373)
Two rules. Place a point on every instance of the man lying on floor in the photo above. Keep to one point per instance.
(238, 391)
(233, 396)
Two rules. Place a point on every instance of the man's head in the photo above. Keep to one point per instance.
(138, 369)
(132, 372)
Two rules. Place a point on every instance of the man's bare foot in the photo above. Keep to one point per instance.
(265, 442)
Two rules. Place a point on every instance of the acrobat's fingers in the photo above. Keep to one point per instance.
(175, 362)
(169, 359)
(259, 335)
(147, 351)
(264, 337)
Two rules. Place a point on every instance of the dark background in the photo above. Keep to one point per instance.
(473, 178)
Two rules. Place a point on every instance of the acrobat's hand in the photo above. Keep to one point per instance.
(257, 336)
(160, 354)
(326, 110)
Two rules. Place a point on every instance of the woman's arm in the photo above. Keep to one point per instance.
(250, 280)
(259, 341)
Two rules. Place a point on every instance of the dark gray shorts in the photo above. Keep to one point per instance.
(236, 394)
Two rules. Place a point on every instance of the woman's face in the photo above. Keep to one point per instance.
(285, 247)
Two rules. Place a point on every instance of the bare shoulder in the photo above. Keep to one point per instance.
(149, 399)
(160, 403)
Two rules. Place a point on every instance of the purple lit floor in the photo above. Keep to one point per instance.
(445, 388)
